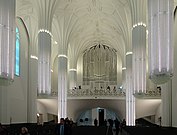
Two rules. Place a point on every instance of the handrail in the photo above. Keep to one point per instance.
(74, 93)
(95, 92)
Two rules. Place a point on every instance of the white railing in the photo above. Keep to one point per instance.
(95, 92)
(149, 94)
(78, 93)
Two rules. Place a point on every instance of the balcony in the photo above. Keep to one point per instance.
(95, 94)
(150, 94)
(103, 94)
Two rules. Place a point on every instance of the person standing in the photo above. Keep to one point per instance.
(62, 128)
(117, 125)
(95, 122)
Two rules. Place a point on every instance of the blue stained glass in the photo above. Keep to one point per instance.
(17, 53)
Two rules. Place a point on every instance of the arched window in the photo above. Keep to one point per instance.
(17, 53)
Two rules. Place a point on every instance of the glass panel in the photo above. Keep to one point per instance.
(17, 53)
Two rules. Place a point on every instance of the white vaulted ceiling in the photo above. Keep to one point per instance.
(81, 24)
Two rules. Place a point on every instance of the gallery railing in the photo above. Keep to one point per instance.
(149, 94)
(96, 93)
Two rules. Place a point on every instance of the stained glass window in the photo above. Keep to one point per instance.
(17, 53)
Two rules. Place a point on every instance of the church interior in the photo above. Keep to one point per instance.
(87, 59)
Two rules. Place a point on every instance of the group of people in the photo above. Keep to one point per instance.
(3, 131)
(115, 125)
(64, 127)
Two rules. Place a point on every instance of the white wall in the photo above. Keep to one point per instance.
(158, 114)
(41, 109)
(174, 79)
(14, 97)
(146, 107)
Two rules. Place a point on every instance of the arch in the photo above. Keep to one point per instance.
(20, 27)
(93, 113)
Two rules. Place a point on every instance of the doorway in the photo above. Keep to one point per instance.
(101, 117)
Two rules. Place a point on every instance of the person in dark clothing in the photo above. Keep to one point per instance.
(67, 124)
(105, 122)
(3, 130)
(117, 125)
(95, 122)
(62, 128)
(122, 125)
(110, 122)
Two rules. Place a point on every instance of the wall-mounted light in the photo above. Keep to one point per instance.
(128, 53)
(124, 68)
(34, 57)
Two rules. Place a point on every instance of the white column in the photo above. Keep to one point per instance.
(160, 40)
(7, 40)
(119, 71)
(139, 57)
(166, 95)
(32, 94)
(174, 80)
(124, 79)
(62, 86)
(44, 65)
(130, 99)
(45, 10)
(72, 78)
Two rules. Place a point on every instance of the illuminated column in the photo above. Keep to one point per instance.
(72, 78)
(62, 86)
(124, 74)
(45, 10)
(130, 99)
(123, 79)
(160, 40)
(139, 57)
(7, 40)
(44, 65)
(119, 72)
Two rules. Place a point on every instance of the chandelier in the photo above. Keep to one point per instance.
(7, 40)
(160, 40)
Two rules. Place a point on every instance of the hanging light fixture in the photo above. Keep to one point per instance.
(160, 40)
(44, 65)
(7, 40)
(139, 58)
